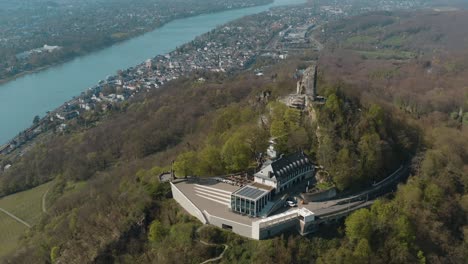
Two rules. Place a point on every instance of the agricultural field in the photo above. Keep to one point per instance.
(387, 54)
(360, 40)
(25, 205)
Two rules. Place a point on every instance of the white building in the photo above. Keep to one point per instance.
(249, 210)
(284, 172)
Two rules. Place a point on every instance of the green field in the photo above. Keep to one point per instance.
(388, 54)
(395, 41)
(25, 205)
(10, 232)
(356, 40)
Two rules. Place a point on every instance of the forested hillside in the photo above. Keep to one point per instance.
(414, 63)
(418, 62)
(107, 186)
(113, 193)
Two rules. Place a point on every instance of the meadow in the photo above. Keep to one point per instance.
(25, 205)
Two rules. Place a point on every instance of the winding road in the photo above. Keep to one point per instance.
(333, 209)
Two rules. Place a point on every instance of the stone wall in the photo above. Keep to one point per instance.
(319, 196)
(187, 204)
(271, 231)
(238, 228)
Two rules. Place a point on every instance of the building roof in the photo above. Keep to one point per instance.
(211, 197)
(250, 192)
(261, 186)
(283, 166)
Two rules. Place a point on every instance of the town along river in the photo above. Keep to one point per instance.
(35, 94)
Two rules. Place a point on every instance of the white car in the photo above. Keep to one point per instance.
(291, 203)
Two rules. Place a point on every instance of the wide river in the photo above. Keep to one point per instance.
(37, 93)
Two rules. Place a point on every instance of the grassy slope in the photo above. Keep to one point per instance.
(26, 205)
(10, 232)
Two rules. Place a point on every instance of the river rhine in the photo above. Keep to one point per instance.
(37, 93)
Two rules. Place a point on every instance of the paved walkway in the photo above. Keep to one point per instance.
(15, 217)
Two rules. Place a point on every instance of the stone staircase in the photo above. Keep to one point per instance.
(212, 194)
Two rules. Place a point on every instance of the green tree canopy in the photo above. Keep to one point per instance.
(358, 225)
(210, 161)
(343, 172)
(376, 116)
(54, 254)
(236, 153)
(186, 164)
(333, 109)
(370, 155)
(362, 251)
(156, 232)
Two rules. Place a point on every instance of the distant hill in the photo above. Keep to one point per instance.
(417, 64)
(418, 60)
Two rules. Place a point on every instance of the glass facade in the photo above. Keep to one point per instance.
(251, 207)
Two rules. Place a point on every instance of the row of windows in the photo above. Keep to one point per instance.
(297, 173)
(291, 183)
(249, 207)
(243, 206)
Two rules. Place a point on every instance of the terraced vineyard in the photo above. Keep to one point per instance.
(26, 206)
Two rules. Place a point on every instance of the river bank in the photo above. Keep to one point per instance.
(122, 38)
(38, 93)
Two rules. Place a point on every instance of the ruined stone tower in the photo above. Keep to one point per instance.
(308, 84)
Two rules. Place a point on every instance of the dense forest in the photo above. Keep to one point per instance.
(426, 222)
(107, 204)
(417, 62)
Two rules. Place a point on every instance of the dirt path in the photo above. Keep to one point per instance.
(217, 258)
(44, 201)
(211, 244)
(15, 217)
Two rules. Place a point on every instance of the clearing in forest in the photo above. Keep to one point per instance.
(27, 206)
